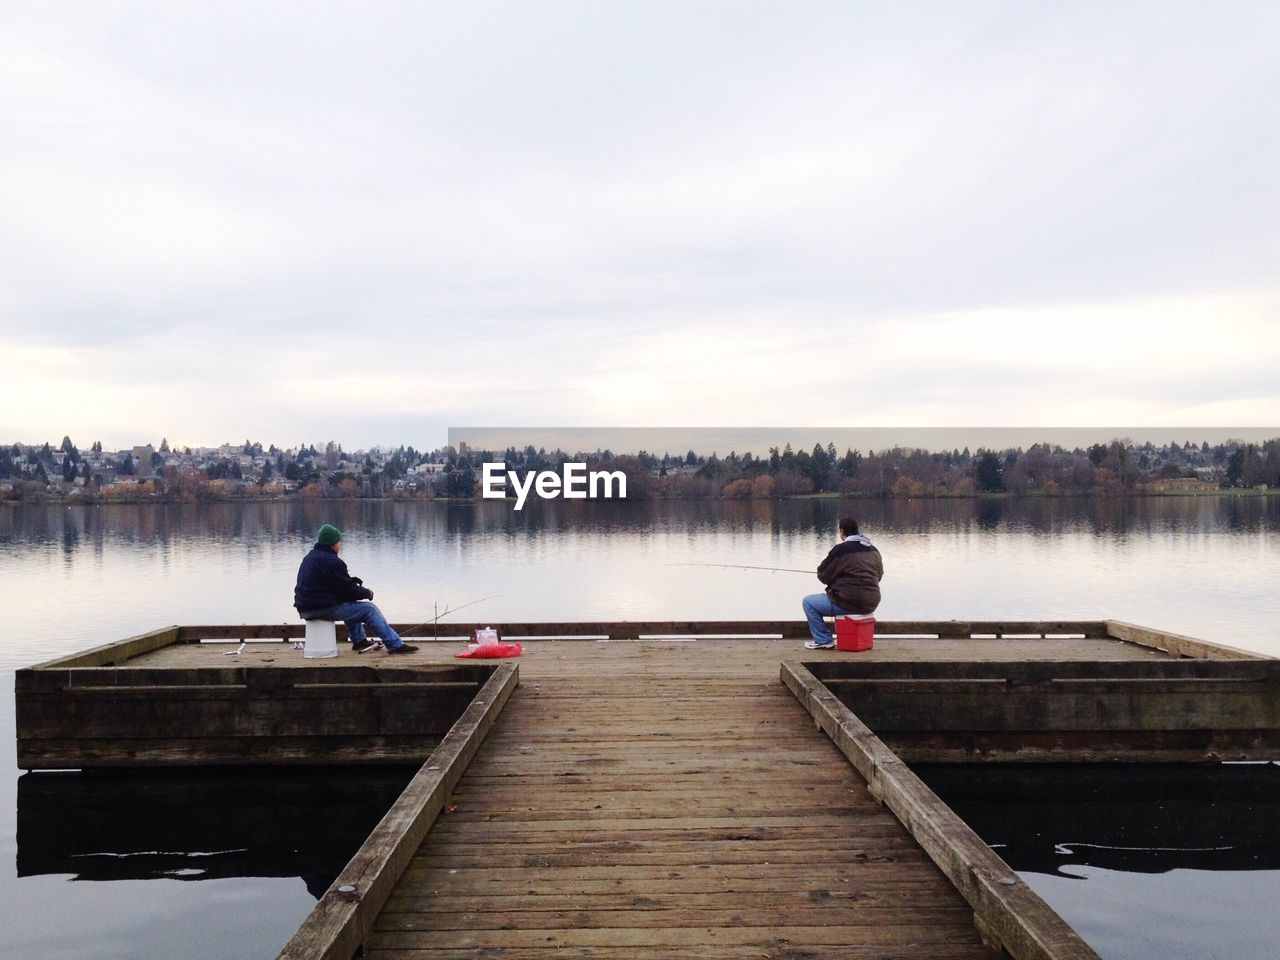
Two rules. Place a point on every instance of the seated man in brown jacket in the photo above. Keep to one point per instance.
(852, 572)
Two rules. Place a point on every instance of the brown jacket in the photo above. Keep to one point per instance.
(852, 572)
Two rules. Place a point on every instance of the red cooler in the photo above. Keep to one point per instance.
(854, 633)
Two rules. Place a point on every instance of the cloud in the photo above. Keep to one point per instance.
(639, 214)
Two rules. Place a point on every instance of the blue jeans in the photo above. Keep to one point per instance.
(817, 606)
(359, 612)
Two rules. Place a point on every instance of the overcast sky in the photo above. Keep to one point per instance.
(369, 222)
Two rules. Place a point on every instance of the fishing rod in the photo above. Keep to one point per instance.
(445, 612)
(743, 566)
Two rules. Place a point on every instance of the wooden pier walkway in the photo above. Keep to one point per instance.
(728, 827)
(646, 797)
(674, 799)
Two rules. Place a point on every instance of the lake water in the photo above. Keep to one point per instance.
(1207, 567)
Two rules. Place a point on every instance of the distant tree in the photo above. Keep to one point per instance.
(1253, 471)
(989, 471)
(849, 463)
(460, 481)
(126, 466)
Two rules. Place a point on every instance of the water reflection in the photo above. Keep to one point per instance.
(1134, 818)
(203, 825)
(74, 528)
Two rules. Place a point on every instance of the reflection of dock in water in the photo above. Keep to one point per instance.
(200, 825)
(662, 793)
(1137, 818)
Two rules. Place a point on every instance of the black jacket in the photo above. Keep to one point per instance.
(323, 583)
(852, 572)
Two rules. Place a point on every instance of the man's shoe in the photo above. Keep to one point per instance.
(403, 648)
(365, 645)
(815, 645)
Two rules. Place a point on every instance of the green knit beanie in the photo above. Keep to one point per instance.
(328, 535)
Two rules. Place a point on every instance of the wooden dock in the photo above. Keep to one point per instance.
(671, 797)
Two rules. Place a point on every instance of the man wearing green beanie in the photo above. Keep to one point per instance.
(326, 591)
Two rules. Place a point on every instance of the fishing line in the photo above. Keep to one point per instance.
(445, 612)
(743, 566)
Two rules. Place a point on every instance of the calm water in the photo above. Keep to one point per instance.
(1144, 861)
(1205, 567)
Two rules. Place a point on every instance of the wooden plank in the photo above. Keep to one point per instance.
(1176, 644)
(1163, 709)
(776, 949)
(673, 939)
(1039, 672)
(1205, 705)
(247, 631)
(401, 711)
(1009, 911)
(688, 855)
(238, 713)
(186, 751)
(901, 897)
(113, 653)
(222, 673)
(747, 913)
(1111, 746)
(633, 629)
(667, 878)
(342, 919)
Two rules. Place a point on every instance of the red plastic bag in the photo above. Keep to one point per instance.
(491, 651)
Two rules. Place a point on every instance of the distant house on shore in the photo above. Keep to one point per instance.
(1182, 485)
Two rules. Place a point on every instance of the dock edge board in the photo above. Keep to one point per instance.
(1008, 913)
(1177, 645)
(340, 922)
(119, 651)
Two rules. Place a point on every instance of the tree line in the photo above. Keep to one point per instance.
(1116, 467)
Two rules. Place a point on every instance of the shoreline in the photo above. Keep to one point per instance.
(98, 500)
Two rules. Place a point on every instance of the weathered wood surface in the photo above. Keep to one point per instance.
(710, 658)
(340, 922)
(170, 704)
(118, 651)
(1066, 711)
(1175, 644)
(669, 793)
(633, 629)
(1008, 911)
(658, 799)
(376, 713)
